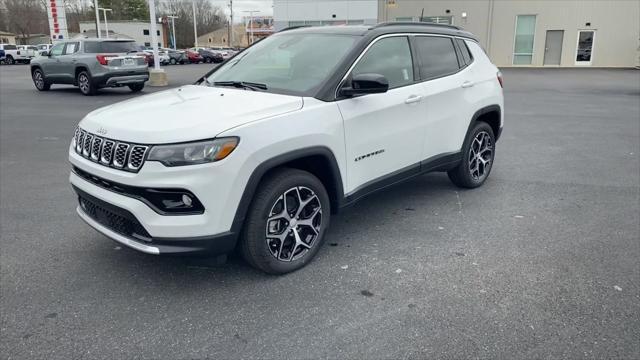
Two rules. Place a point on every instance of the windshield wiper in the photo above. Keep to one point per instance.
(242, 85)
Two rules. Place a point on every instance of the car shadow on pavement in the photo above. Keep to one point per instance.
(185, 272)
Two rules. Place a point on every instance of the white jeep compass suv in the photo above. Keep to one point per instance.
(263, 150)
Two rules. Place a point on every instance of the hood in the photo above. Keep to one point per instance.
(186, 113)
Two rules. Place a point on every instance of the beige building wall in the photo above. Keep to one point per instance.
(616, 24)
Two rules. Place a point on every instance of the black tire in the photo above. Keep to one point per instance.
(85, 83)
(207, 60)
(9, 60)
(253, 241)
(472, 171)
(136, 87)
(172, 61)
(39, 80)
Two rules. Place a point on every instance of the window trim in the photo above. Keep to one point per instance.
(366, 49)
(533, 46)
(575, 53)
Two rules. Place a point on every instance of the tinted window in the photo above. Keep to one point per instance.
(437, 56)
(56, 50)
(466, 54)
(390, 57)
(71, 48)
(10, 47)
(94, 47)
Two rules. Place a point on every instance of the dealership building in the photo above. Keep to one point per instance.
(559, 33)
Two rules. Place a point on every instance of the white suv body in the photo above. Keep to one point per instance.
(341, 141)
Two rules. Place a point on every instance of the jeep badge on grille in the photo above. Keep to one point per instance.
(102, 131)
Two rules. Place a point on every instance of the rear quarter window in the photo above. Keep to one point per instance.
(466, 54)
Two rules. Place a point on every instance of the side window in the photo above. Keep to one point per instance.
(71, 48)
(390, 57)
(56, 50)
(466, 54)
(437, 56)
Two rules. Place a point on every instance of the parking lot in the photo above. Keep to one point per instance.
(540, 262)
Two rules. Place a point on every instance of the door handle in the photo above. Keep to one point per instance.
(467, 84)
(413, 99)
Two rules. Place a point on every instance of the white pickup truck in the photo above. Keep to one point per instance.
(18, 53)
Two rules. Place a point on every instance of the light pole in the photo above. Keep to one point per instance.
(157, 76)
(106, 24)
(195, 29)
(251, 23)
(95, 6)
(231, 23)
(173, 28)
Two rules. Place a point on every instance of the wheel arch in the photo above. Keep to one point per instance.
(492, 115)
(77, 71)
(318, 160)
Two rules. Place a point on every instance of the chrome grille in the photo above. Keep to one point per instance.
(136, 157)
(107, 152)
(120, 155)
(86, 148)
(95, 148)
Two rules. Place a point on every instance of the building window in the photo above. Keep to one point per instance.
(523, 47)
(147, 44)
(585, 45)
(438, 19)
(296, 23)
(404, 18)
(145, 32)
(158, 32)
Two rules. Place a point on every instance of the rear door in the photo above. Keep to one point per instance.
(384, 132)
(446, 78)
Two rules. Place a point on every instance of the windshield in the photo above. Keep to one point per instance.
(110, 46)
(294, 64)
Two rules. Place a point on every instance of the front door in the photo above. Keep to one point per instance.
(384, 132)
(51, 66)
(553, 47)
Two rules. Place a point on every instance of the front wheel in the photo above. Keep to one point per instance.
(136, 87)
(286, 223)
(39, 81)
(477, 157)
(173, 61)
(10, 60)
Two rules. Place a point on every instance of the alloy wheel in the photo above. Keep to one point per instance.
(83, 83)
(480, 156)
(293, 225)
(38, 80)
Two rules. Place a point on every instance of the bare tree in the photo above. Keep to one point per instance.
(208, 18)
(26, 17)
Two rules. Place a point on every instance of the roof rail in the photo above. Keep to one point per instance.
(294, 27)
(414, 23)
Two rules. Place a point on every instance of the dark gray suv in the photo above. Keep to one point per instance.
(91, 64)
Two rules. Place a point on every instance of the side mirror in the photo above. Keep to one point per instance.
(46, 53)
(366, 84)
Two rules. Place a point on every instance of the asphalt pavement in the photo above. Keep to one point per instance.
(543, 261)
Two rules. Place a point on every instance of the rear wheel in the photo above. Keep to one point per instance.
(85, 84)
(136, 87)
(9, 60)
(39, 80)
(477, 158)
(286, 223)
(172, 61)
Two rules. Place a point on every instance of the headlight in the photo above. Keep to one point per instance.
(193, 153)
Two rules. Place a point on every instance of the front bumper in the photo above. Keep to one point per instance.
(122, 226)
(210, 231)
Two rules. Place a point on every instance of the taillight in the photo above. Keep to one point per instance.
(499, 75)
(103, 59)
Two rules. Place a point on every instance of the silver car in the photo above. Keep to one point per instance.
(91, 64)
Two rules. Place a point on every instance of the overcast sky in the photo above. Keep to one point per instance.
(265, 7)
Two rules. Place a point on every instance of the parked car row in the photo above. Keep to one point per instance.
(13, 54)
